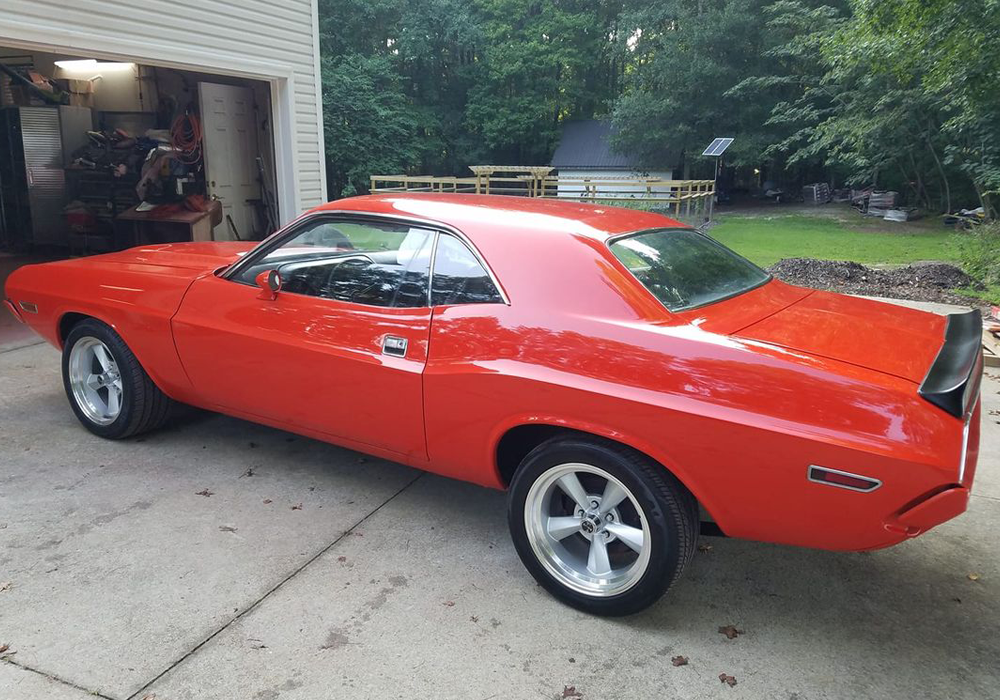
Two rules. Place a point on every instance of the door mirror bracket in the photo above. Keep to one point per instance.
(269, 282)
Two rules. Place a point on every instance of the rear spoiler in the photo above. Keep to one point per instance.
(952, 382)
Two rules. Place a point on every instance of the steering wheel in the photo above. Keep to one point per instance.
(344, 270)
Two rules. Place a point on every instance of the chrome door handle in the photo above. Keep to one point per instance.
(394, 345)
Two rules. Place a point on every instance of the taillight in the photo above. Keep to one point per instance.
(844, 480)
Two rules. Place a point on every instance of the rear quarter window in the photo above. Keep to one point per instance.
(684, 269)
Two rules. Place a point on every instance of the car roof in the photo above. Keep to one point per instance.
(477, 215)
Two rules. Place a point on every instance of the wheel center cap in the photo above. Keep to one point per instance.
(591, 523)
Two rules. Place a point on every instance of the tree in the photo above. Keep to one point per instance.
(369, 125)
(541, 62)
(684, 57)
(789, 86)
(951, 48)
(895, 93)
(436, 85)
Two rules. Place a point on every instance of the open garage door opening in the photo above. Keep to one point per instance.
(100, 155)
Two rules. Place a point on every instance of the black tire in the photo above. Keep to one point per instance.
(143, 406)
(669, 509)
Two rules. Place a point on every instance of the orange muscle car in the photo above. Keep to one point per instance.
(624, 377)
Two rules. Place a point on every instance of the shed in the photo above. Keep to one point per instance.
(248, 68)
(585, 152)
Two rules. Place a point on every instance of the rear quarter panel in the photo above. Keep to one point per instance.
(738, 422)
(137, 300)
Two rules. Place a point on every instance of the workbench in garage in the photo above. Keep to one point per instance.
(134, 227)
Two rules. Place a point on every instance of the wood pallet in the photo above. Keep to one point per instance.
(991, 346)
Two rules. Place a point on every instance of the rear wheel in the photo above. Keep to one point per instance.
(107, 388)
(601, 527)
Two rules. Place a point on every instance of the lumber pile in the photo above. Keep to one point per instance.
(991, 339)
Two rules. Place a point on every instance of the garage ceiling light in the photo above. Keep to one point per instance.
(90, 64)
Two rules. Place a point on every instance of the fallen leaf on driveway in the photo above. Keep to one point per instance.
(727, 679)
(267, 500)
(973, 577)
(4, 647)
(679, 661)
(341, 559)
(449, 603)
(206, 493)
(226, 528)
(730, 632)
(5, 586)
(570, 691)
(297, 507)
(704, 548)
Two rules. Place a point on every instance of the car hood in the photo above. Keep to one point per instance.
(185, 256)
(876, 335)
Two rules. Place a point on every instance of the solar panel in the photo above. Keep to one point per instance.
(717, 147)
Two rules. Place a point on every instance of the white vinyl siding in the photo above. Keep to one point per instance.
(273, 41)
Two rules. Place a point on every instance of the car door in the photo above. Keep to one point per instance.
(339, 350)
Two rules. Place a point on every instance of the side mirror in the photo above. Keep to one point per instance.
(269, 282)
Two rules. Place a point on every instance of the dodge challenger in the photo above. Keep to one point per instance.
(626, 379)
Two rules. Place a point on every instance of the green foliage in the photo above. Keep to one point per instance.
(900, 93)
(432, 86)
(979, 252)
(701, 70)
(682, 57)
(542, 62)
(369, 126)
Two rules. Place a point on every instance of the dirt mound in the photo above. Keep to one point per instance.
(931, 281)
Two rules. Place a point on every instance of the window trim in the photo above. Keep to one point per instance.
(295, 227)
(630, 234)
(482, 264)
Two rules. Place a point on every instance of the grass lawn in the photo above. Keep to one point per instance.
(767, 239)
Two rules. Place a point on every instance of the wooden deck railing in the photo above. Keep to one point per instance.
(683, 197)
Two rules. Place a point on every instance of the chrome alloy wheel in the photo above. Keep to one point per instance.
(587, 529)
(95, 380)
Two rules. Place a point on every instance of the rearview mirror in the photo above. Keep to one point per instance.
(269, 282)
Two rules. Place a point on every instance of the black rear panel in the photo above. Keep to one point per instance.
(953, 379)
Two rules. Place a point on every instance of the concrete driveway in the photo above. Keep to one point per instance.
(220, 559)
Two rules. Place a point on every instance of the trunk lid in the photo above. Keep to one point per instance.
(876, 335)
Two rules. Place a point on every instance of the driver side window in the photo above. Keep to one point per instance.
(365, 262)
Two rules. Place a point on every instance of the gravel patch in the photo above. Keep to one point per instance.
(929, 281)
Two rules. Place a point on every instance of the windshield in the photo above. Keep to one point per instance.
(684, 268)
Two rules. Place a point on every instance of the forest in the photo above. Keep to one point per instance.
(902, 94)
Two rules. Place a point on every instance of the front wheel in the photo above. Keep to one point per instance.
(108, 389)
(602, 527)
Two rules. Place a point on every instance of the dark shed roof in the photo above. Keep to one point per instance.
(585, 144)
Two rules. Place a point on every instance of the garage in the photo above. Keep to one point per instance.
(124, 125)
